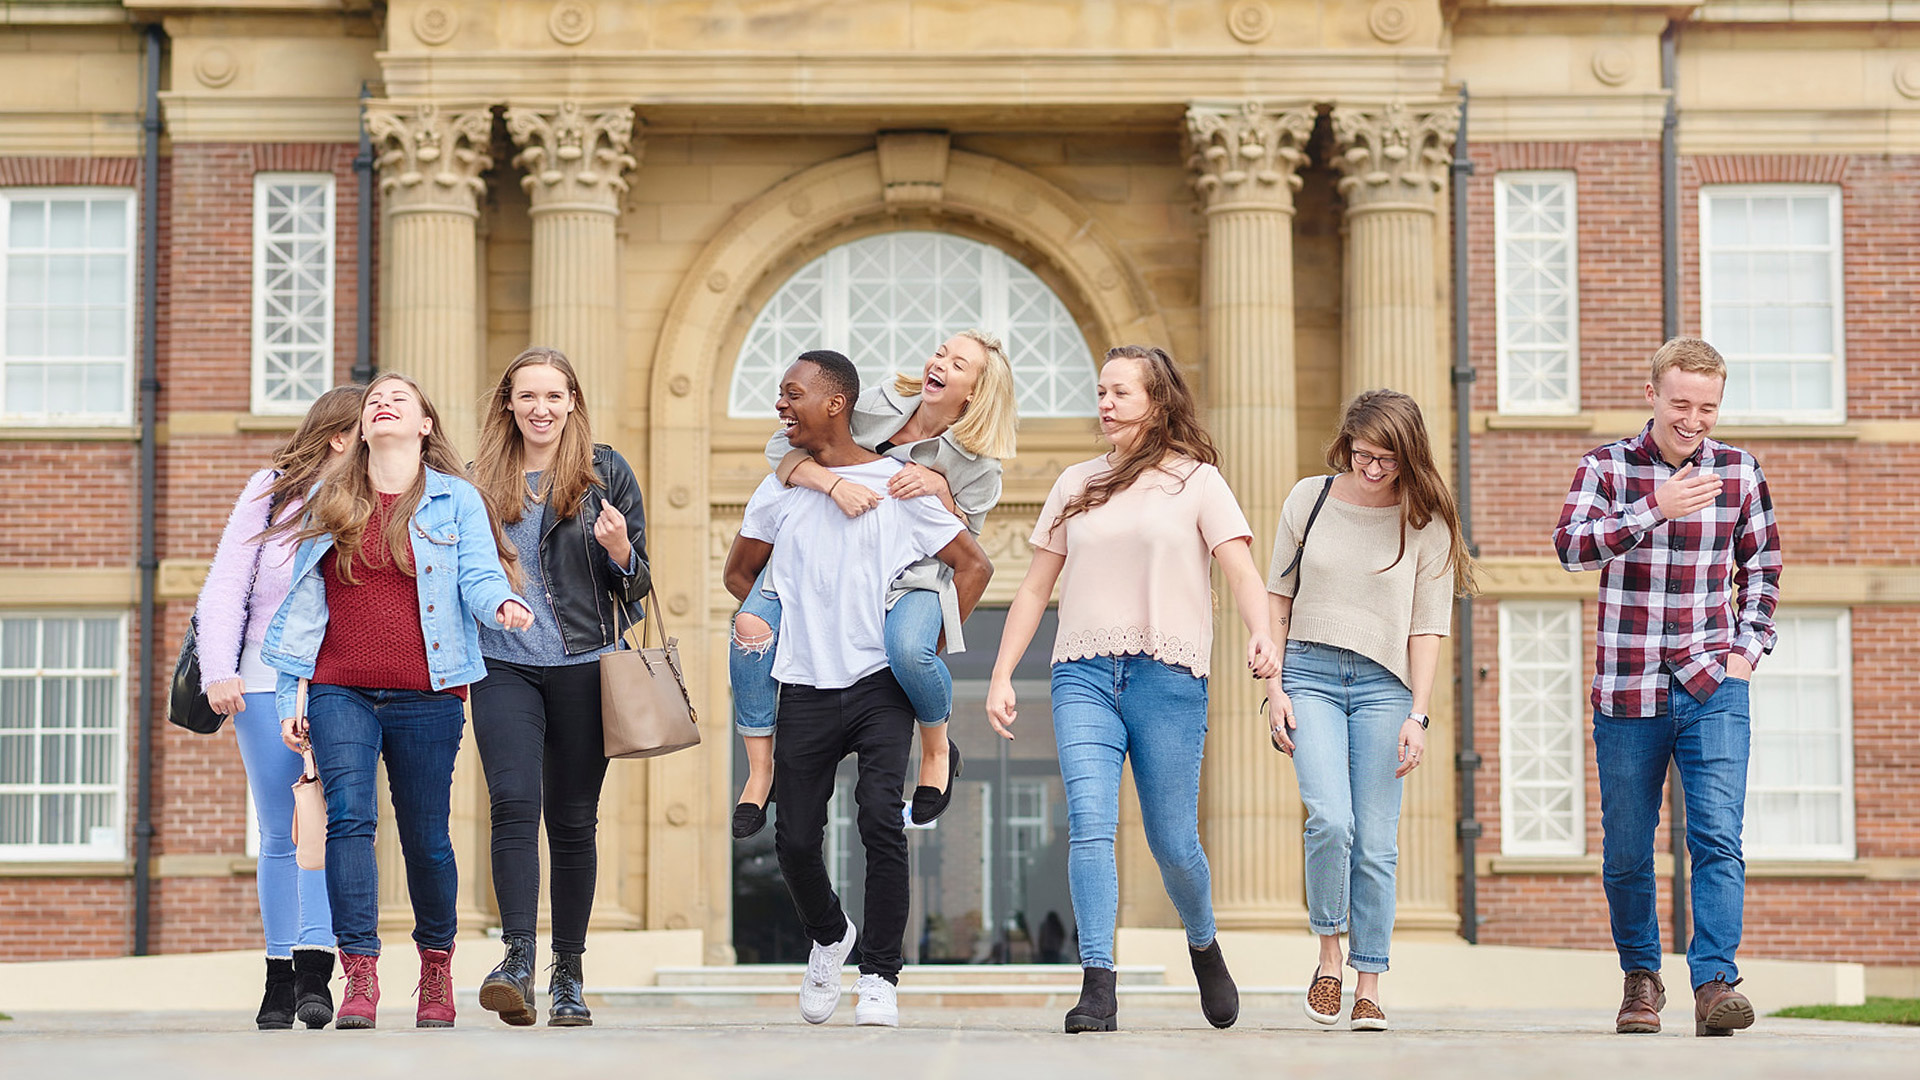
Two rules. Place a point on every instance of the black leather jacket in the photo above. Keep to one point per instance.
(581, 582)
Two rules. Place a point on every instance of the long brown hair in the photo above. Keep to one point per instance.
(499, 471)
(1171, 426)
(1392, 420)
(304, 456)
(345, 500)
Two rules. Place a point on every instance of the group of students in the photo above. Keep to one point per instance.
(366, 584)
(846, 595)
(368, 579)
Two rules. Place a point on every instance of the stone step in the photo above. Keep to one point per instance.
(789, 975)
(937, 995)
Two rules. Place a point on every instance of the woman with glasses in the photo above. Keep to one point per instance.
(1366, 564)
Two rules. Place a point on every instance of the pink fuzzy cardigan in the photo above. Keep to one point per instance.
(224, 600)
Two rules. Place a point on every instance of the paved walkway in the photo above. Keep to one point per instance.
(951, 1044)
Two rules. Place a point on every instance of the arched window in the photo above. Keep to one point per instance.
(888, 301)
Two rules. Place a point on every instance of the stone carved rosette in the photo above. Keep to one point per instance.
(1247, 153)
(574, 153)
(1395, 153)
(432, 157)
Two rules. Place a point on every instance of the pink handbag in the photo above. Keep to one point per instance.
(309, 802)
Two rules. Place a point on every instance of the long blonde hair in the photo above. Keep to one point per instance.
(1391, 419)
(987, 423)
(499, 470)
(304, 456)
(1171, 426)
(345, 500)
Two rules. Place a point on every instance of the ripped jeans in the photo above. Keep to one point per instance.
(913, 634)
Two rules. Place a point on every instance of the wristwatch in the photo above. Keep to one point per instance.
(1421, 717)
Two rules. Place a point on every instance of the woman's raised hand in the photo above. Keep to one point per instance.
(228, 696)
(513, 616)
(610, 529)
(1000, 707)
(914, 480)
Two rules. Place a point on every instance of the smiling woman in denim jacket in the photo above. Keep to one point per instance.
(244, 587)
(1360, 619)
(398, 558)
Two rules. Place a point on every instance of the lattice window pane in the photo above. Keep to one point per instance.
(1800, 775)
(66, 304)
(1537, 293)
(1770, 265)
(62, 737)
(888, 301)
(1542, 729)
(293, 252)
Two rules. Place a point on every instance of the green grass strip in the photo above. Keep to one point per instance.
(1877, 1010)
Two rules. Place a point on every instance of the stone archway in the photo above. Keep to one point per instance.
(689, 878)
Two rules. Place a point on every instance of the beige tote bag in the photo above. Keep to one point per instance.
(644, 707)
(309, 802)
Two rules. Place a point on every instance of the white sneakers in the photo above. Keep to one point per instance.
(876, 1002)
(820, 991)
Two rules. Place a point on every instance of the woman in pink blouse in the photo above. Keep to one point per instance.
(1130, 537)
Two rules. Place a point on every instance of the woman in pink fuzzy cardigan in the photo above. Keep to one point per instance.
(249, 577)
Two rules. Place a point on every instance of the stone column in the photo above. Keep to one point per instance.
(1245, 160)
(576, 155)
(431, 158)
(1393, 165)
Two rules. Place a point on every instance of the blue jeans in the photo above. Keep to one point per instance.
(1349, 712)
(913, 635)
(1106, 709)
(293, 902)
(1709, 741)
(418, 733)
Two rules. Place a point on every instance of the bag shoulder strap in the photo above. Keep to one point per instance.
(1301, 551)
(253, 579)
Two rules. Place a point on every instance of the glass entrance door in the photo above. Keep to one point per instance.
(989, 877)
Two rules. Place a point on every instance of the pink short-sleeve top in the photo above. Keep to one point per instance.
(1136, 579)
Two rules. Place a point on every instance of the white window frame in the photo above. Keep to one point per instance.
(1837, 247)
(750, 390)
(1578, 711)
(1769, 670)
(116, 849)
(13, 417)
(263, 405)
(1502, 233)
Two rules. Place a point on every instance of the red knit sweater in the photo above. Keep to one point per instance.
(373, 637)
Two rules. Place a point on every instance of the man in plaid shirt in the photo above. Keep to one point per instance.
(1681, 528)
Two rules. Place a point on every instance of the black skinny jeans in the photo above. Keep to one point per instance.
(874, 719)
(540, 741)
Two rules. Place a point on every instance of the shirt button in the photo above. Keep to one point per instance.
(1669, 630)
(436, 645)
(1672, 586)
(429, 569)
(429, 609)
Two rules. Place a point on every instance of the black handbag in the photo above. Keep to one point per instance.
(187, 704)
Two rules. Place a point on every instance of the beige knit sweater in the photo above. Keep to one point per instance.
(1343, 594)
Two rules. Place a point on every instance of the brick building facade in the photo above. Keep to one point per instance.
(773, 155)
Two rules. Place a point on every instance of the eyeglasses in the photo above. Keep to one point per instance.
(1363, 460)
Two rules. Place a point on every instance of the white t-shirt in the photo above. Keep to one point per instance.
(832, 572)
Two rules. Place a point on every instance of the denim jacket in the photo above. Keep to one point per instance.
(458, 576)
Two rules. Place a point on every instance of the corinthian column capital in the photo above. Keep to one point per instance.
(1394, 153)
(1247, 154)
(431, 156)
(575, 153)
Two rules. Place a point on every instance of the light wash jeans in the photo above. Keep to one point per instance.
(1349, 710)
(913, 636)
(293, 902)
(1106, 709)
(1709, 741)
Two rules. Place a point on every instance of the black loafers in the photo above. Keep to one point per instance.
(929, 802)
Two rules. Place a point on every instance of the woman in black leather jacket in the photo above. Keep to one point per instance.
(536, 716)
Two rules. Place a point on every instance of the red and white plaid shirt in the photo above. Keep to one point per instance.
(1675, 596)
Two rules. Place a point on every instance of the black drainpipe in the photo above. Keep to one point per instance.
(363, 317)
(149, 544)
(1466, 758)
(1670, 328)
